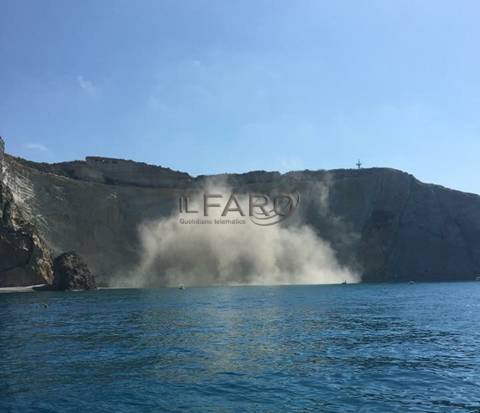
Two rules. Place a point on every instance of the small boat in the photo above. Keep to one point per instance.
(411, 282)
(181, 287)
(344, 283)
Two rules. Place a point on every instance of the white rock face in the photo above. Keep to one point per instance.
(2, 155)
(381, 223)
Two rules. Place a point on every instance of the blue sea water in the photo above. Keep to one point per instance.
(352, 348)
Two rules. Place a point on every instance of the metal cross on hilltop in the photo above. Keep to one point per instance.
(359, 164)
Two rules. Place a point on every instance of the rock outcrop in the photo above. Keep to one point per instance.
(2, 156)
(25, 259)
(114, 171)
(72, 273)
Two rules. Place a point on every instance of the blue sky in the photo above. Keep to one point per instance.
(230, 86)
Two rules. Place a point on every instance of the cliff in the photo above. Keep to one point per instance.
(25, 259)
(383, 223)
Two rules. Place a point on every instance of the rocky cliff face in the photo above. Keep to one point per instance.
(71, 273)
(383, 223)
(24, 257)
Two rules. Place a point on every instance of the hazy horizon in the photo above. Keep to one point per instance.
(172, 167)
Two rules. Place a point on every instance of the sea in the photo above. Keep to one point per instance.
(327, 348)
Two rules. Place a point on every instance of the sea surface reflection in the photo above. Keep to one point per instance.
(344, 348)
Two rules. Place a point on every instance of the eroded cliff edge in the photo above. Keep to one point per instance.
(383, 223)
(25, 259)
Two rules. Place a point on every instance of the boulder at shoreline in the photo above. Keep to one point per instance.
(70, 272)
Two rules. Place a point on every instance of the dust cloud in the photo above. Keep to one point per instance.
(195, 250)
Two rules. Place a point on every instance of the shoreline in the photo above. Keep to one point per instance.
(37, 287)
(23, 289)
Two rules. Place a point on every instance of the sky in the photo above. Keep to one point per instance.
(218, 86)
